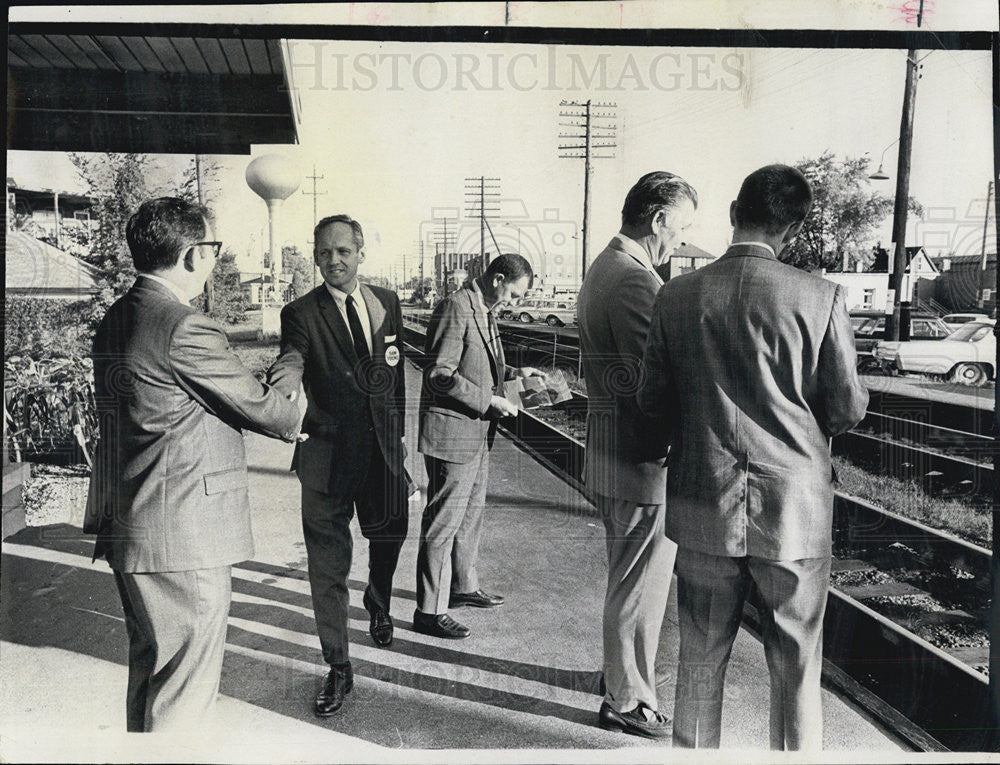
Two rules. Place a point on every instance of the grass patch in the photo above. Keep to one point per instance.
(255, 355)
(964, 517)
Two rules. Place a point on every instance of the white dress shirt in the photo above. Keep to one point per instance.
(169, 285)
(765, 245)
(340, 298)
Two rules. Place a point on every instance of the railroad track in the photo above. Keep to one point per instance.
(945, 447)
(931, 698)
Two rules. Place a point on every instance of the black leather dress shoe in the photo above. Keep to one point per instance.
(635, 722)
(380, 626)
(338, 684)
(477, 599)
(438, 625)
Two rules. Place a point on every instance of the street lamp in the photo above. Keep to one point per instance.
(518, 229)
(879, 175)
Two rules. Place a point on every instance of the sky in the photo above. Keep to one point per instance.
(395, 129)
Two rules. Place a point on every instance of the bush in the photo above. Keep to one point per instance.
(49, 408)
(39, 328)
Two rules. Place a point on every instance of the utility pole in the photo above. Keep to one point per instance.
(210, 282)
(314, 194)
(444, 239)
(892, 324)
(421, 269)
(599, 128)
(482, 195)
(986, 224)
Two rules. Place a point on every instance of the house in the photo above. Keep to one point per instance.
(687, 257)
(967, 283)
(255, 284)
(45, 209)
(869, 290)
(39, 270)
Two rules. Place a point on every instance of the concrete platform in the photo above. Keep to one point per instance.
(525, 680)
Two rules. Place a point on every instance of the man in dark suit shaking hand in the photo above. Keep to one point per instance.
(344, 342)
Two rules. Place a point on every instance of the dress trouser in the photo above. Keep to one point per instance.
(451, 529)
(640, 564)
(176, 624)
(710, 596)
(383, 514)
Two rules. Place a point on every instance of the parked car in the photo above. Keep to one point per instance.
(956, 320)
(869, 328)
(555, 313)
(966, 356)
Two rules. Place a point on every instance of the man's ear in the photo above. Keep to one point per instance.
(792, 231)
(732, 213)
(361, 254)
(659, 219)
(189, 259)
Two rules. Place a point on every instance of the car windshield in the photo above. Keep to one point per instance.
(971, 332)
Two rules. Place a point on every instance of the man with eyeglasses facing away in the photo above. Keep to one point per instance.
(168, 493)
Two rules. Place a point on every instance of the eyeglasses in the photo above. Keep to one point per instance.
(216, 247)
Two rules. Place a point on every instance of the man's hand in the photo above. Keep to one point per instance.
(530, 372)
(300, 436)
(501, 407)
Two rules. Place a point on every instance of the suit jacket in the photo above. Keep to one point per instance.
(625, 450)
(753, 362)
(168, 490)
(345, 399)
(461, 377)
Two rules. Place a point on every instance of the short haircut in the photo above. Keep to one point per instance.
(160, 231)
(359, 235)
(652, 192)
(512, 266)
(772, 198)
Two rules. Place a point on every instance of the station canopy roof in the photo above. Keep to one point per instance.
(146, 93)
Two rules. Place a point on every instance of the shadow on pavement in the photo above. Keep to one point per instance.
(76, 608)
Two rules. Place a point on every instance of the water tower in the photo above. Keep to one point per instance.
(274, 178)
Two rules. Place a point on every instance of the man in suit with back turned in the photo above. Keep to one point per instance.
(752, 365)
(624, 473)
(344, 342)
(168, 493)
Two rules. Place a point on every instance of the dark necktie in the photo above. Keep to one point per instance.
(497, 349)
(357, 333)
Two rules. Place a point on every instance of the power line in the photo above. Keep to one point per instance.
(599, 131)
(314, 194)
(482, 195)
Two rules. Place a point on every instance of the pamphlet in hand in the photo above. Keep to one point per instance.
(526, 392)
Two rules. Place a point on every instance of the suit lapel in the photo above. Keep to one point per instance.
(341, 332)
(484, 330)
(376, 317)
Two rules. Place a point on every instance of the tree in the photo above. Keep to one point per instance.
(845, 215)
(188, 187)
(230, 301)
(119, 184)
(300, 267)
